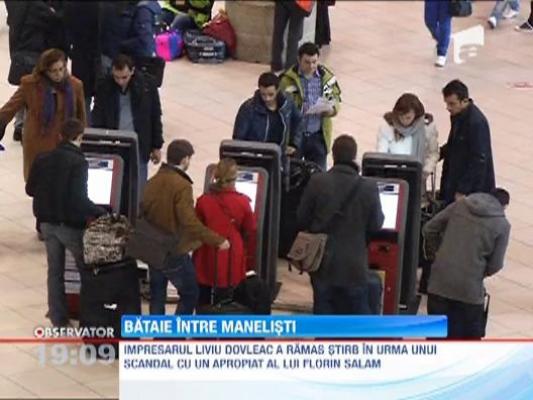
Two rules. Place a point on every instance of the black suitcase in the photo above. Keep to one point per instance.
(300, 171)
(203, 48)
(107, 293)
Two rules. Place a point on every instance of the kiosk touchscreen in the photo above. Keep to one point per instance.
(106, 172)
(385, 250)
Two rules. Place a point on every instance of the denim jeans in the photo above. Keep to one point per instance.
(314, 149)
(183, 22)
(439, 22)
(57, 238)
(333, 299)
(465, 321)
(501, 6)
(20, 116)
(179, 270)
(143, 178)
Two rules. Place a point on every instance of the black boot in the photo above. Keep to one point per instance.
(17, 134)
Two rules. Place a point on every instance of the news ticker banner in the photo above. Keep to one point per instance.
(316, 369)
(283, 326)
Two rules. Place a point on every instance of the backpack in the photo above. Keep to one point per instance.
(104, 240)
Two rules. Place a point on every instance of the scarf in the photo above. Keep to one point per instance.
(417, 131)
(49, 102)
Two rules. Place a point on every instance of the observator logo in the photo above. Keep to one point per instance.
(100, 332)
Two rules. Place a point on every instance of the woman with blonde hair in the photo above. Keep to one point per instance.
(408, 129)
(51, 96)
(228, 213)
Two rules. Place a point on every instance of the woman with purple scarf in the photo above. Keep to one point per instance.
(51, 96)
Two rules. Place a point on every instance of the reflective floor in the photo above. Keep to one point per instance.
(375, 58)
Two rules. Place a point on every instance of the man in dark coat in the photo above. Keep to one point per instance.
(340, 286)
(58, 185)
(467, 155)
(34, 26)
(269, 116)
(81, 23)
(129, 100)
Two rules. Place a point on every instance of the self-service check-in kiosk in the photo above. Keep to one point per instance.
(409, 169)
(386, 247)
(253, 182)
(123, 144)
(113, 158)
(268, 157)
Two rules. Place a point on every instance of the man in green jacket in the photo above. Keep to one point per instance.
(187, 14)
(315, 90)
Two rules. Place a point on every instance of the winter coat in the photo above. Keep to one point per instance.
(346, 260)
(139, 22)
(81, 22)
(291, 83)
(252, 122)
(168, 203)
(475, 237)
(387, 143)
(145, 109)
(33, 26)
(229, 214)
(468, 166)
(58, 185)
(37, 139)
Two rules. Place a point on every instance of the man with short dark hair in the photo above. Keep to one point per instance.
(58, 184)
(315, 90)
(168, 204)
(269, 116)
(468, 166)
(475, 234)
(129, 100)
(340, 286)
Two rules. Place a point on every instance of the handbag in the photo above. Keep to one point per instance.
(151, 244)
(460, 8)
(220, 28)
(308, 249)
(104, 240)
(153, 66)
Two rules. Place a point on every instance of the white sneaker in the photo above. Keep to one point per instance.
(440, 61)
(492, 22)
(510, 14)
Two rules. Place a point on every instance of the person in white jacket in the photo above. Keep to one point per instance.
(409, 130)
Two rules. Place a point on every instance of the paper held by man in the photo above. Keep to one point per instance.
(322, 105)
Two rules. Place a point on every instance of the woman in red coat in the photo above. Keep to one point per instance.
(228, 213)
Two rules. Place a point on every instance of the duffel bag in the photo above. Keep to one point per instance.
(169, 45)
(152, 66)
(105, 239)
(204, 49)
(220, 28)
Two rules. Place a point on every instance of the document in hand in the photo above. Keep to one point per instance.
(322, 105)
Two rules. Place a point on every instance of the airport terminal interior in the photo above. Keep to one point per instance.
(379, 50)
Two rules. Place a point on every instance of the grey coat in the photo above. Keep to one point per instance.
(346, 261)
(475, 237)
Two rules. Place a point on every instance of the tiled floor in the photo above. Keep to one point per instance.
(379, 50)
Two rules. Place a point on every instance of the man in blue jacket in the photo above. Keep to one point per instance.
(467, 155)
(269, 116)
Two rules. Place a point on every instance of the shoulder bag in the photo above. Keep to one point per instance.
(308, 249)
(151, 244)
(460, 8)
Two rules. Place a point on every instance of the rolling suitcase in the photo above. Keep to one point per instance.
(300, 171)
(108, 293)
(221, 301)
